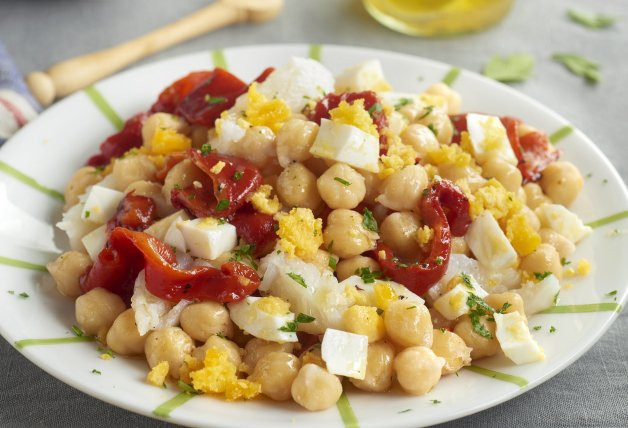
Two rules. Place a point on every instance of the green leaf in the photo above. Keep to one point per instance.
(188, 389)
(298, 279)
(332, 262)
(237, 175)
(98, 372)
(304, 319)
(222, 205)
(541, 276)
(368, 276)
(244, 253)
(369, 221)
(77, 331)
(214, 100)
(403, 102)
(590, 20)
(579, 66)
(375, 107)
(513, 68)
(206, 149)
(290, 327)
(342, 181)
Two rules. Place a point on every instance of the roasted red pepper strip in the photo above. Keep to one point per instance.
(128, 252)
(225, 192)
(116, 145)
(446, 210)
(173, 95)
(256, 228)
(134, 212)
(537, 155)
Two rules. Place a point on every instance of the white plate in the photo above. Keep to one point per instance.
(58, 142)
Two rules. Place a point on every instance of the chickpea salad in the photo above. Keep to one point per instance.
(305, 231)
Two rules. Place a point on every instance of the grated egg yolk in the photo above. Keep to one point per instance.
(449, 154)
(272, 305)
(494, 198)
(168, 140)
(521, 234)
(494, 133)
(433, 100)
(190, 364)
(262, 201)
(424, 235)
(354, 115)
(300, 233)
(261, 111)
(208, 222)
(383, 295)
(583, 267)
(398, 155)
(157, 375)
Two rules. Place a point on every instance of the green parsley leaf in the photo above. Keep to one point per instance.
(369, 221)
(428, 111)
(552, 329)
(304, 319)
(24, 295)
(244, 253)
(536, 328)
(221, 335)
(579, 66)
(439, 261)
(541, 276)
(188, 389)
(206, 149)
(222, 205)
(214, 100)
(98, 169)
(77, 331)
(555, 300)
(403, 102)
(479, 308)
(375, 107)
(611, 293)
(564, 261)
(380, 311)
(94, 371)
(222, 220)
(590, 20)
(435, 401)
(331, 244)
(466, 280)
(342, 181)
(106, 351)
(512, 68)
(332, 262)
(237, 175)
(290, 327)
(191, 196)
(411, 307)
(11, 292)
(368, 277)
(404, 411)
(504, 308)
(433, 129)
(87, 214)
(298, 279)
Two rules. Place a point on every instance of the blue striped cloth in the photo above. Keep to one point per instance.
(17, 105)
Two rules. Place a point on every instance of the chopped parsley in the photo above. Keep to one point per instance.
(342, 181)
(98, 169)
(77, 331)
(369, 221)
(214, 100)
(605, 181)
(380, 311)
(237, 175)
(537, 328)
(564, 261)
(466, 280)
(221, 335)
(404, 411)
(435, 401)
(579, 66)
(431, 128)
(479, 308)
(611, 293)
(442, 329)
(504, 308)
(292, 326)
(11, 292)
(555, 300)
(439, 261)
(331, 244)
(428, 111)
(222, 220)
(411, 307)
(106, 351)
(590, 20)
(297, 278)
(403, 102)
(304, 319)
(222, 205)
(368, 276)
(244, 253)
(87, 214)
(191, 196)
(94, 371)
(552, 329)
(541, 276)
(23, 295)
(188, 389)
(513, 68)
(332, 262)
(206, 149)
(374, 108)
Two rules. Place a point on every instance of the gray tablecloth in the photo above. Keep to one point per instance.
(591, 392)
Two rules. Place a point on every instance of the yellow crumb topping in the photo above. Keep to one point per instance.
(168, 140)
(260, 111)
(398, 155)
(300, 233)
(262, 201)
(521, 234)
(157, 375)
(355, 115)
(272, 305)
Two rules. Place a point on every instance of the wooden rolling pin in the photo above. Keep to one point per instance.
(73, 74)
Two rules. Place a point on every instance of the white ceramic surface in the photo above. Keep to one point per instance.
(52, 147)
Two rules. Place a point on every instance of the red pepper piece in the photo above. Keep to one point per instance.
(173, 95)
(446, 210)
(128, 252)
(171, 161)
(459, 121)
(264, 74)
(537, 155)
(134, 212)
(225, 192)
(256, 228)
(116, 145)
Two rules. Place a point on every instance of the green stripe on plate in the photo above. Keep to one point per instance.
(451, 76)
(219, 60)
(315, 52)
(592, 307)
(20, 344)
(164, 410)
(519, 381)
(22, 264)
(558, 135)
(346, 412)
(30, 181)
(104, 107)
(610, 219)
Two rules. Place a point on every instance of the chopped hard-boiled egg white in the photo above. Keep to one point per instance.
(345, 353)
(453, 303)
(489, 244)
(373, 292)
(515, 339)
(207, 237)
(100, 204)
(366, 76)
(229, 130)
(95, 241)
(73, 225)
(267, 318)
(538, 296)
(348, 144)
(173, 235)
(488, 137)
(400, 99)
(561, 220)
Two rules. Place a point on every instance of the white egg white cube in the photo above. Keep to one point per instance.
(400, 98)
(366, 76)
(174, 236)
(489, 244)
(561, 220)
(207, 241)
(367, 289)
(538, 296)
(261, 324)
(453, 304)
(348, 144)
(101, 204)
(74, 226)
(515, 339)
(345, 353)
(95, 241)
(488, 137)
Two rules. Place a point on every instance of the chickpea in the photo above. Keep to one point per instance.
(322, 260)
(294, 140)
(497, 301)
(276, 372)
(439, 321)
(402, 190)
(534, 195)
(459, 245)
(341, 186)
(313, 356)
(410, 111)
(123, 337)
(418, 369)
(169, 344)
(350, 238)
(199, 135)
(347, 267)
(544, 259)
(421, 138)
(296, 187)
(66, 271)
(96, 311)
(438, 121)
(182, 175)
(315, 388)
(371, 184)
(408, 323)
(151, 190)
(399, 231)
(481, 346)
(160, 120)
(379, 368)
(204, 319)
(533, 219)
(80, 181)
(396, 122)
(257, 146)
(507, 174)
(256, 348)
(561, 181)
(234, 352)
(364, 320)
(132, 168)
(452, 348)
(563, 245)
(451, 96)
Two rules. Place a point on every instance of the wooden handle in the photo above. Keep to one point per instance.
(73, 74)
